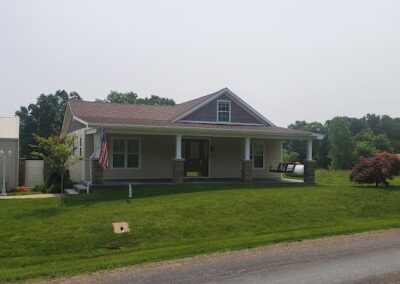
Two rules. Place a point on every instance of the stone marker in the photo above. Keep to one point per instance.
(121, 227)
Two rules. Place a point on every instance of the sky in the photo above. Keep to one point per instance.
(291, 60)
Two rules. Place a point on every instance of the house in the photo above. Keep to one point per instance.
(214, 137)
(9, 150)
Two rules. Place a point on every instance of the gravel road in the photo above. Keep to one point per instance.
(360, 258)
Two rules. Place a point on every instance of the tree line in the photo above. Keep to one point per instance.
(347, 139)
(44, 118)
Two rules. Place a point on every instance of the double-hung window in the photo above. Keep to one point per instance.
(125, 153)
(257, 150)
(223, 111)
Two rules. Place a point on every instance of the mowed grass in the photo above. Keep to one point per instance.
(40, 240)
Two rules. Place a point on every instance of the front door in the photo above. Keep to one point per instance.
(196, 157)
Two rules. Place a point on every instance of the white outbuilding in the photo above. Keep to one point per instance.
(9, 152)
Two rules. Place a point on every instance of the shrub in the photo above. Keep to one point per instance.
(376, 169)
(53, 182)
(40, 187)
(22, 188)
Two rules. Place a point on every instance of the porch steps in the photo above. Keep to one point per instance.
(70, 191)
(80, 188)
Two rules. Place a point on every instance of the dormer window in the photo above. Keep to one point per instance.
(223, 111)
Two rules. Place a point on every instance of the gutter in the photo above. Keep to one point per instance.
(306, 135)
(90, 173)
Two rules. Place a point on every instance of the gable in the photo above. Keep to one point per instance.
(70, 123)
(208, 112)
(75, 125)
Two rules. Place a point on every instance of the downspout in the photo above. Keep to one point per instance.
(90, 173)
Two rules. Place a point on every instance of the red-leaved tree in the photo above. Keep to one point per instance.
(376, 169)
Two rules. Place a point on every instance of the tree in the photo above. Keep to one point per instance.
(44, 118)
(376, 169)
(57, 152)
(367, 144)
(132, 98)
(340, 142)
(289, 156)
(320, 147)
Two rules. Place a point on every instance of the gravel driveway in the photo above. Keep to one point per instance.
(360, 258)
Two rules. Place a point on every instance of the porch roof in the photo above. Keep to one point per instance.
(162, 117)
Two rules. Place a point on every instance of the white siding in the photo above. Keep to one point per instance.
(11, 163)
(75, 170)
(34, 171)
(272, 157)
(156, 156)
(225, 162)
(9, 127)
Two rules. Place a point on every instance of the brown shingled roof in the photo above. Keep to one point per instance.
(92, 112)
(159, 116)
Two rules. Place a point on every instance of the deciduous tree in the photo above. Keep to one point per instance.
(132, 98)
(43, 118)
(340, 142)
(57, 152)
(377, 169)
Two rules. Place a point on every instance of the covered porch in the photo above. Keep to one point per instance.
(153, 158)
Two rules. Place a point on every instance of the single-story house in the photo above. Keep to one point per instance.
(9, 150)
(214, 137)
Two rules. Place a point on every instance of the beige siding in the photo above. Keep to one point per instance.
(225, 162)
(11, 164)
(89, 149)
(156, 156)
(75, 170)
(272, 157)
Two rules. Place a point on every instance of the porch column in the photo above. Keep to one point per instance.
(247, 170)
(309, 164)
(309, 150)
(247, 148)
(178, 166)
(178, 147)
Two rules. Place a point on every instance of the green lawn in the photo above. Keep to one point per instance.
(38, 239)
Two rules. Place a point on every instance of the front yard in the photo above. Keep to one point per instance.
(38, 239)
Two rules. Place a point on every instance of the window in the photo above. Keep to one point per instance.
(132, 153)
(125, 153)
(223, 111)
(80, 146)
(257, 150)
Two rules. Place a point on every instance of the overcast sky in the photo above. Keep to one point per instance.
(291, 60)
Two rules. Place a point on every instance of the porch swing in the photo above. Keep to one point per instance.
(286, 168)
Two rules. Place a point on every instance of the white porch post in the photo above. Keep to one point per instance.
(247, 149)
(178, 147)
(309, 150)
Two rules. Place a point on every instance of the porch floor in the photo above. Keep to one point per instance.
(126, 182)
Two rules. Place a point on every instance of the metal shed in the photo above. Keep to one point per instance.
(9, 151)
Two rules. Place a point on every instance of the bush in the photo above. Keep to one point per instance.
(53, 182)
(40, 187)
(376, 169)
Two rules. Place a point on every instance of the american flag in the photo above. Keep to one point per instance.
(103, 158)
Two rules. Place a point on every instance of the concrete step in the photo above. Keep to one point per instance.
(80, 188)
(71, 191)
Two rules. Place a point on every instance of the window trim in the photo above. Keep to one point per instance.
(252, 156)
(230, 111)
(125, 167)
